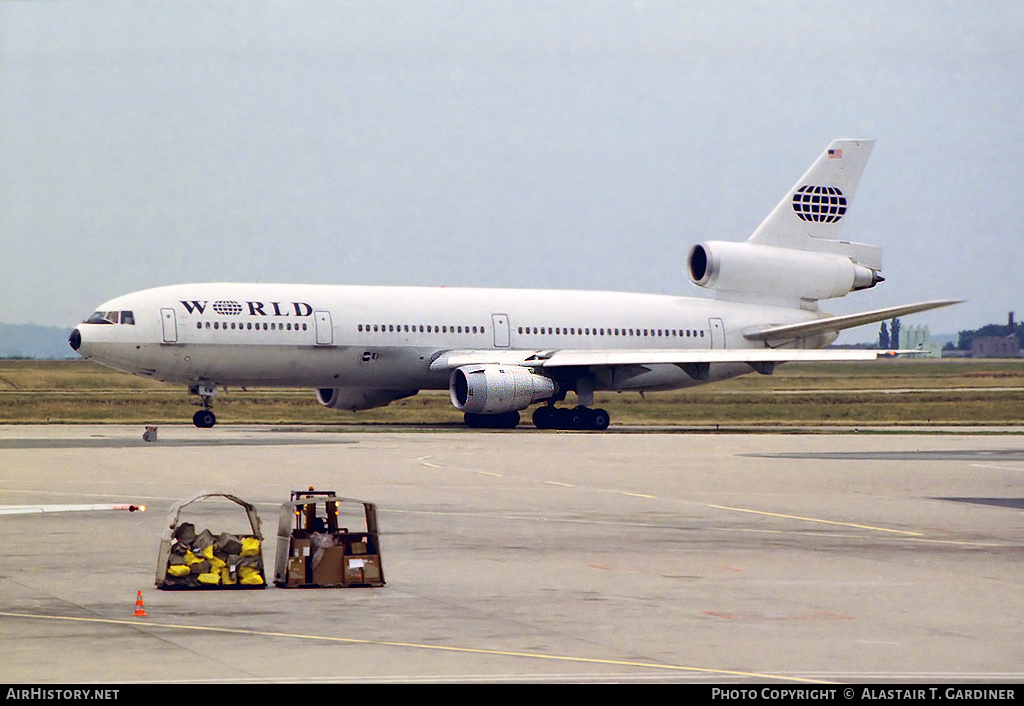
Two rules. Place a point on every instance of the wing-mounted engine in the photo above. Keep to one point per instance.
(357, 398)
(778, 273)
(496, 389)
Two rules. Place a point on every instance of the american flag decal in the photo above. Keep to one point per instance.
(835, 154)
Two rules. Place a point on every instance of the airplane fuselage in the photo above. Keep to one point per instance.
(323, 336)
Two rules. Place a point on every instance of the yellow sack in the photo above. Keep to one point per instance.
(226, 578)
(212, 579)
(248, 576)
(250, 546)
(178, 570)
(191, 558)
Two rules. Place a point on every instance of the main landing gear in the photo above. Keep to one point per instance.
(545, 417)
(204, 418)
(578, 418)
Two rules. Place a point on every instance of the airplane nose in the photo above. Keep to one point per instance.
(75, 340)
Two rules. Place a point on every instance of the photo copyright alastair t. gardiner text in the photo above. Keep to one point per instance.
(867, 693)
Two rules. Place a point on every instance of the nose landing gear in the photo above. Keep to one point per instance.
(204, 418)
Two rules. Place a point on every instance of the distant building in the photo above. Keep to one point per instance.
(1007, 346)
(995, 347)
(918, 338)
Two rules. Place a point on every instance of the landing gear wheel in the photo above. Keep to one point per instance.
(599, 419)
(204, 419)
(576, 418)
(545, 417)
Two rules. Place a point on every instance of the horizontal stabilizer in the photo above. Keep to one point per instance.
(834, 324)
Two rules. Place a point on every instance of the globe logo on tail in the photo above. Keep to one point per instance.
(820, 204)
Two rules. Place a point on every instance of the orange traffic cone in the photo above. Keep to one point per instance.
(139, 610)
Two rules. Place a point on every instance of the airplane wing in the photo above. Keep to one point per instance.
(756, 357)
(839, 323)
(582, 358)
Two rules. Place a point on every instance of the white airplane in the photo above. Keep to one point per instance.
(498, 351)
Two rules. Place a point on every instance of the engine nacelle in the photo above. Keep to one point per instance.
(356, 398)
(496, 389)
(779, 272)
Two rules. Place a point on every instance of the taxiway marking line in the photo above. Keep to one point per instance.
(815, 519)
(422, 460)
(996, 468)
(38, 509)
(414, 645)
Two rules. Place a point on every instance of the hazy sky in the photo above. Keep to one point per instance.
(581, 144)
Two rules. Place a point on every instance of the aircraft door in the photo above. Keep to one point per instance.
(170, 325)
(717, 333)
(501, 335)
(324, 328)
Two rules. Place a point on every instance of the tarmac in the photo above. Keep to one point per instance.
(527, 556)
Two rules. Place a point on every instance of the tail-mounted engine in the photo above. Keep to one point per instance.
(746, 268)
(496, 389)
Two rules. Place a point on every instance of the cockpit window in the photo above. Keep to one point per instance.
(112, 317)
(98, 317)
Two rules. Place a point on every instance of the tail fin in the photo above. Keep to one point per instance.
(795, 256)
(811, 216)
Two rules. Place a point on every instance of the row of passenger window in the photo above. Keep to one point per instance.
(527, 330)
(418, 328)
(639, 332)
(250, 326)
